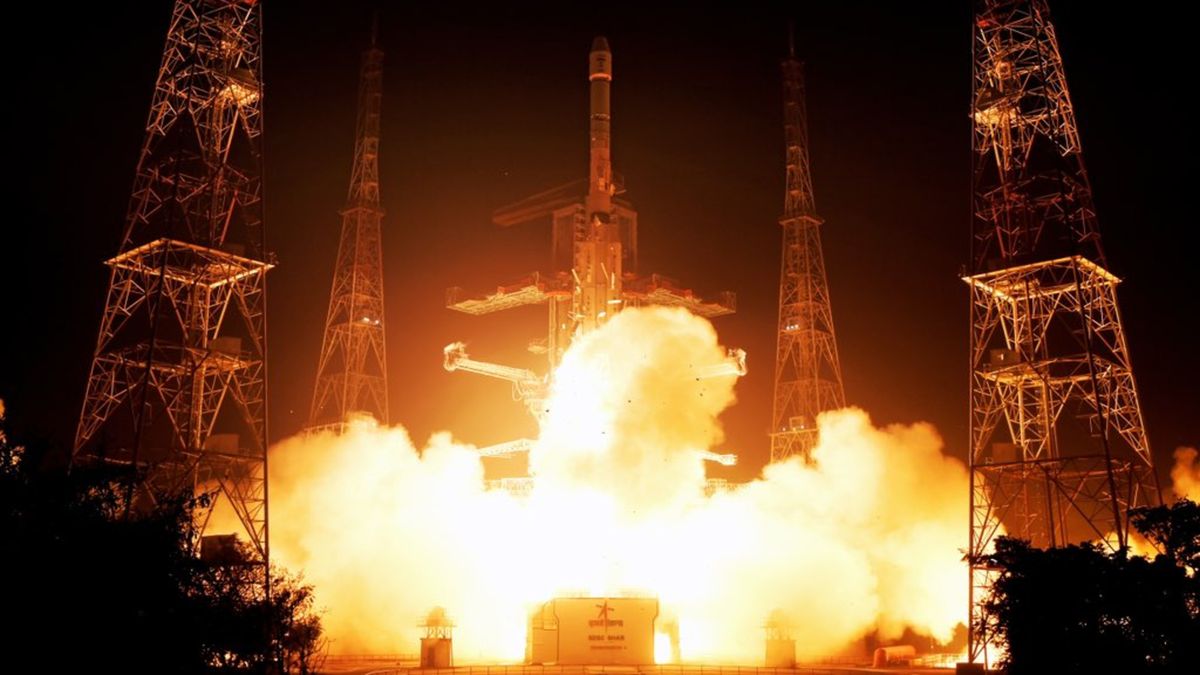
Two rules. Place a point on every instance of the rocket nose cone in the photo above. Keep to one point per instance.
(600, 44)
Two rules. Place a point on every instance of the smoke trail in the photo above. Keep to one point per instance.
(866, 537)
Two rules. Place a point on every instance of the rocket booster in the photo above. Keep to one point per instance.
(600, 178)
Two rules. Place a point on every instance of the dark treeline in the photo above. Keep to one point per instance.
(1082, 609)
(89, 586)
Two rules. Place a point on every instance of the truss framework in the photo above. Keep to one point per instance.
(594, 239)
(1032, 196)
(1059, 452)
(1048, 350)
(636, 291)
(594, 242)
(177, 385)
(352, 369)
(808, 373)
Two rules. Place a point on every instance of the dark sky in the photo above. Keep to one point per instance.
(485, 105)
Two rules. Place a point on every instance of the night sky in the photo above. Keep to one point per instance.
(486, 105)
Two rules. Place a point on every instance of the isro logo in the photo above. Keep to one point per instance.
(604, 610)
(604, 618)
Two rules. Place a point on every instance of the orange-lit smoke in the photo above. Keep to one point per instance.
(866, 537)
(1185, 475)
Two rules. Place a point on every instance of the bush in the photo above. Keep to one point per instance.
(1081, 609)
(110, 589)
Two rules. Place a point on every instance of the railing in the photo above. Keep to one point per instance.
(612, 670)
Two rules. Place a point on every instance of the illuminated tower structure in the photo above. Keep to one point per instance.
(352, 371)
(594, 243)
(177, 386)
(808, 375)
(1059, 452)
(594, 246)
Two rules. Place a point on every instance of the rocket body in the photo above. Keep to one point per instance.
(600, 183)
(597, 258)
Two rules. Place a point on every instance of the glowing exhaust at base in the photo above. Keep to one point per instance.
(867, 537)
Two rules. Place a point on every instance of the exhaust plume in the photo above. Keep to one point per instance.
(867, 536)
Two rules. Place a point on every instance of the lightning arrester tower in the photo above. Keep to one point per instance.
(808, 375)
(177, 385)
(1059, 452)
(352, 371)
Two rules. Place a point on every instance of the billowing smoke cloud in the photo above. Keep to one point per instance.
(631, 410)
(866, 537)
(1185, 475)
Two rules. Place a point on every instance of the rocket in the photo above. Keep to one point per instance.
(600, 178)
(597, 260)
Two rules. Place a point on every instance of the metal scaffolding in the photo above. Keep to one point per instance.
(352, 370)
(593, 251)
(1059, 452)
(808, 374)
(177, 386)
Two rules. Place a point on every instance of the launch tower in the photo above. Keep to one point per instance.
(593, 253)
(177, 386)
(808, 375)
(1059, 452)
(352, 371)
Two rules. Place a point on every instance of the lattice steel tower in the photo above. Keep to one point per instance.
(352, 371)
(177, 385)
(808, 375)
(1059, 452)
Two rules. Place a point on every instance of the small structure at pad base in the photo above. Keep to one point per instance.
(593, 631)
(437, 645)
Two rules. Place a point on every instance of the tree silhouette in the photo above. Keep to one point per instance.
(114, 590)
(1081, 609)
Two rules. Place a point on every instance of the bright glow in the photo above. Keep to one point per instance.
(662, 648)
(1185, 475)
(1185, 479)
(868, 536)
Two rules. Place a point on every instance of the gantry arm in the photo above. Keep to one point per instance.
(734, 365)
(456, 359)
(723, 460)
(530, 388)
(506, 448)
(527, 386)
